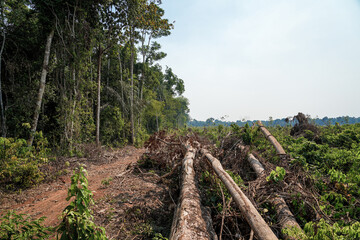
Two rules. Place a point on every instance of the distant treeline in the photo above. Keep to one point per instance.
(277, 122)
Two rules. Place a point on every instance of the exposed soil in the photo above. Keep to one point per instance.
(130, 205)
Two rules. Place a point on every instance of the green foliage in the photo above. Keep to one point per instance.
(112, 127)
(214, 133)
(246, 133)
(237, 179)
(141, 137)
(112, 30)
(212, 185)
(346, 136)
(159, 236)
(324, 231)
(333, 161)
(236, 129)
(20, 226)
(19, 164)
(77, 219)
(298, 206)
(147, 231)
(276, 175)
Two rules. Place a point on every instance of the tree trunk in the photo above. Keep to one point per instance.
(108, 72)
(72, 117)
(285, 217)
(144, 53)
(188, 222)
(254, 162)
(132, 93)
(252, 216)
(122, 91)
(272, 139)
(157, 122)
(42, 87)
(3, 120)
(98, 98)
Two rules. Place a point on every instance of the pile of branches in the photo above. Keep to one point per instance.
(303, 124)
(167, 150)
(164, 150)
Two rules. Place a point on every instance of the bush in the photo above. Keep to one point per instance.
(77, 219)
(19, 164)
(276, 175)
(112, 127)
(20, 226)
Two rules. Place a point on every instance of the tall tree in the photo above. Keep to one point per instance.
(85, 33)
(152, 25)
(111, 17)
(98, 108)
(133, 12)
(41, 87)
(3, 34)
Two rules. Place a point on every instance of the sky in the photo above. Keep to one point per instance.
(252, 59)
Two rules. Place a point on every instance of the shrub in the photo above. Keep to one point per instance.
(19, 164)
(20, 226)
(77, 218)
(276, 175)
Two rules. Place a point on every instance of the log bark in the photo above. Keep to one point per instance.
(188, 222)
(41, 87)
(272, 139)
(285, 216)
(252, 216)
(254, 162)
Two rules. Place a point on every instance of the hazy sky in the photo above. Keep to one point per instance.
(258, 58)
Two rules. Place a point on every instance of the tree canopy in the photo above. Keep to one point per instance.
(103, 57)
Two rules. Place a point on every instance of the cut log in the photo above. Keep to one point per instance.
(188, 222)
(252, 216)
(254, 162)
(272, 139)
(285, 217)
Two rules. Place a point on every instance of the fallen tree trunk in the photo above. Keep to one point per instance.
(285, 216)
(255, 164)
(272, 139)
(188, 222)
(252, 216)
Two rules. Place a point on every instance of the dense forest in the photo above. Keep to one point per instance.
(86, 71)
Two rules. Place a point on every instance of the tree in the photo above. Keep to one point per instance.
(109, 29)
(41, 87)
(133, 11)
(152, 25)
(3, 34)
(68, 40)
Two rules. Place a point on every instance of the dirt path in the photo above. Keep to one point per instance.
(50, 199)
(133, 205)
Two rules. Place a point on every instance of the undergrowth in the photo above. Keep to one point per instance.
(329, 157)
(20, 163)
